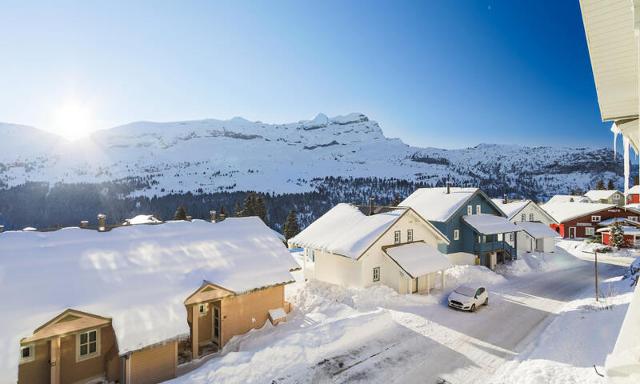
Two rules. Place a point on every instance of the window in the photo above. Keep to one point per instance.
(523, 217)
(595, 219)
(511, 237)
(202, 309)
(478, 209)
(27, 353)
(616, 197)
(88, 344)
(633, 218)
(589, 231)
(376, 274)
(531, 218)
(456, 234)
(469, 210)
(396, 237)
(409, 235)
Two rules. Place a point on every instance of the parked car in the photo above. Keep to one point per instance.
(468, 297)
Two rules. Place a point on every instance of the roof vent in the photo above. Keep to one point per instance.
(84, 224)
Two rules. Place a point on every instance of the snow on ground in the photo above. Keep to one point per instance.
(581, 336)
(375, 335)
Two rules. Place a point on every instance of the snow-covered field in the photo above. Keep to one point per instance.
(541, 326)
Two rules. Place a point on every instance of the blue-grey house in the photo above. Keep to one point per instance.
(472, 222)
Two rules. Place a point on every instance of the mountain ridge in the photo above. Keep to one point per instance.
(212, 155)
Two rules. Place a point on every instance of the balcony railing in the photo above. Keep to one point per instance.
(494, 246)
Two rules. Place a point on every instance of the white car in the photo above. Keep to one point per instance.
(468, 298)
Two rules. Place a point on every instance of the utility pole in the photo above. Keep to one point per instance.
(595, 271)
(595, 264)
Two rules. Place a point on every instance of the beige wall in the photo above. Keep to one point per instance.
(104, 365)
(153, 365)
(36, 371)
(72, 371)
(242, 313)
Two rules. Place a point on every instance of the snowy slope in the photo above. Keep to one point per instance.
(225, 155)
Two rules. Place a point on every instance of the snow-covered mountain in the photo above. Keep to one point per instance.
(235, 155)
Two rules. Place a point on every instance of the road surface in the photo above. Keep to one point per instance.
(446, 346)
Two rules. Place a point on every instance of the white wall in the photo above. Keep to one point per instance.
(345, 271)
(538, 214)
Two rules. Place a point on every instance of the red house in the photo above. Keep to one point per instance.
(633, 196)
(579, 220)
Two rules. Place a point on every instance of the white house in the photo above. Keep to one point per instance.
(569, 199)
(535, 233)
(397, 248)
(606, 196)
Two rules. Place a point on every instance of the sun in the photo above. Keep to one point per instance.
(73, 120)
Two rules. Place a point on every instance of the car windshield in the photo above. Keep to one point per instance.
(466, 291)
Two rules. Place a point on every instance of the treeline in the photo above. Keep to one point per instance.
(42, 205)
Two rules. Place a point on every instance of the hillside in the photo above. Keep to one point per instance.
(343, 158)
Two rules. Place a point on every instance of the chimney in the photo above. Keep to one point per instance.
(84, 224)
(221, 217)
(448, 187)
(102, 222)
(1, 228)
(370, 206)
(213, 216)
(504, 199)
(189, 218)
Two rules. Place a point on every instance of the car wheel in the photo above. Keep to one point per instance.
(473, 307)
(486, 301)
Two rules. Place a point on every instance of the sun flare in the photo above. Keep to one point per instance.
(72, 120)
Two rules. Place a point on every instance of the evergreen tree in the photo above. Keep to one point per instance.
(237, 210)
(610, 185)
(600, 185)
(291, 227)
(222, 211)
(396, 200)
(249, 206)
(617, 235)
(181, 213)
(259, 208)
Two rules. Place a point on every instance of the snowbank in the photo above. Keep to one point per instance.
(581, 335)
(539, 262)
(465, 274)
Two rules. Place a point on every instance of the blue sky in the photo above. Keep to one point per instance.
(434, 73)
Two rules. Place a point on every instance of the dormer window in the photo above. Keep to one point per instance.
(88, 345)
(27, 353)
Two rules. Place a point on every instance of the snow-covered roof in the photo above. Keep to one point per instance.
(634, 190)
(511, 208)
(490, 224)
(566, 211)
(143, 219)
(626, 229)
(345, 230)
(614, 220)
(436, 204)
(596, 194)
(139, 276)
(536, 230)
(568, 199)
(635, 206)
(418, 259)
